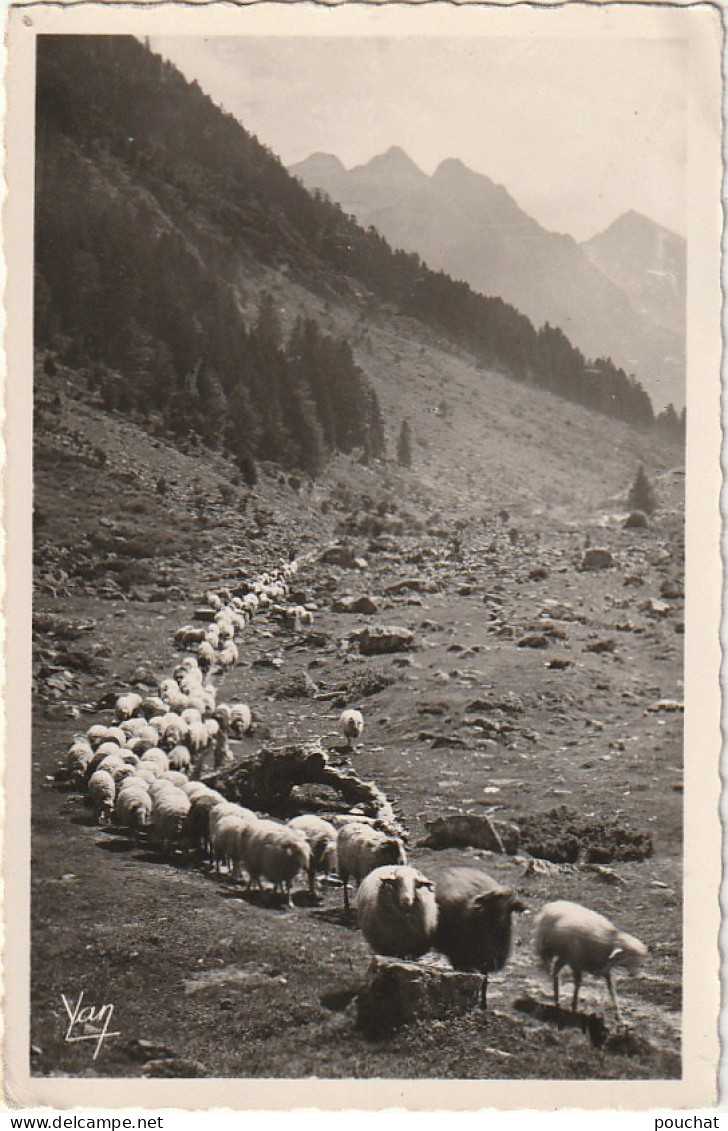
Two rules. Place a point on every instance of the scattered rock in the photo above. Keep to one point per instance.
(398, 992)
(596, 558)
(376, 639)
(666, 705)
(411, 585)
(655, 608)
(470, 830)
(448, 740)
(601, 646)
(672, 590)
(533, 640)
(558, 664)
(361, 604)
(637, 520)
(539, 573)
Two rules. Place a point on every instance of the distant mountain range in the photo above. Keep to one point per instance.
(619, 295)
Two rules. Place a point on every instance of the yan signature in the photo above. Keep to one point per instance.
(93, 1021)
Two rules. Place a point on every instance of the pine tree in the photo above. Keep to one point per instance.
(404, 445)
(641, 494)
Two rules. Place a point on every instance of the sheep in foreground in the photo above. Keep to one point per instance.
(474, 926)
(321, 837)
(102, 794)
(352, 725)
(587, 942)
(360, 849)
(397, 912)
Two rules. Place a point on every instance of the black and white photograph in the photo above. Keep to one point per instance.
(363, 444)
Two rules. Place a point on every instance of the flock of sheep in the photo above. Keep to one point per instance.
(142, 772)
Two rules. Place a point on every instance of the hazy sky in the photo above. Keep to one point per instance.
(579, 130)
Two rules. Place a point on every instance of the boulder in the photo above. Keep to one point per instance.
(397, 992)
(463, 830)
(361, 604)
(637, 520)
(373, 640)
(339, 555)
(596, 558)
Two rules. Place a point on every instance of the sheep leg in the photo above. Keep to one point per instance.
(613, 995)
(577, 987)
(484, 993)
(346, 893)
(558, 964)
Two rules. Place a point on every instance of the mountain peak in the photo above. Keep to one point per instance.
(320, 163)
(394, 162)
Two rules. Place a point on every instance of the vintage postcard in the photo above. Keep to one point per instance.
(363, 581)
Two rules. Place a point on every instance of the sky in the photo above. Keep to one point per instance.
(579, 130)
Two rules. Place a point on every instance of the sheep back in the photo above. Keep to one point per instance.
(360, 849)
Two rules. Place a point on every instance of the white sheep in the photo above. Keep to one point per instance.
(127, 705)
(228, 655)
(352, 725)
(397, 912)
(102, 793)
(78, 758)
(229, 840)
(189, 636)
(170, 806)
(205, 655)
(180, 758)
(360, 849)
(587, 942)
(321, 837)
(276, 852)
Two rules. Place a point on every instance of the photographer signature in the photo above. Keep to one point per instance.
(88, 1017)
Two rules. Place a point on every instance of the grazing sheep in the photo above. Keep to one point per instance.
(153, 705)
(360, 849)
(78, 758)
(474, 927)
(229, 841)
(133, 808)
(96, 734)
(127, 705)
(277, 852)
(397, 912)
(241, 719)
(188, 637)
(170, 806)
(588, 943)
(321, 837)
(180, 758)
(102, 793)
(205, 655)
(352, 725)
(228, 655)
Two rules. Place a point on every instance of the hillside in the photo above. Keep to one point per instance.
(606, 298)
(144, 170)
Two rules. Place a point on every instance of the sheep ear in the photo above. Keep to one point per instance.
(423, 883)
(390, 881)
(517, 904)
(486, 899)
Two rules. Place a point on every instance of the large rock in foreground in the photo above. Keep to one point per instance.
(397, 992)
(373, 640)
